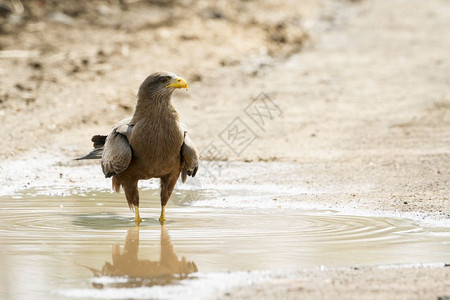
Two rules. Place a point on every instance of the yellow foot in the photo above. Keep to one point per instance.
(162, 218)
(137, 218)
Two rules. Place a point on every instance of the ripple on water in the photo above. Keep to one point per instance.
(223, 230)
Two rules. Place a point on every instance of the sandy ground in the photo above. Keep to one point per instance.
(356, 283)
(359, 107)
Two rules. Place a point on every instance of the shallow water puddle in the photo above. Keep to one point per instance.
(54, 246)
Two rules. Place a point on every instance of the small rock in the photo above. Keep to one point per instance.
(35, 65)
(196, 77)
(19, 86)
(61, 17)
(5, 10)
(212, 14)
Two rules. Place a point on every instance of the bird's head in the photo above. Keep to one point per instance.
(161, 84)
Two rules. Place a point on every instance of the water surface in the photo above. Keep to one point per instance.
(72, 242)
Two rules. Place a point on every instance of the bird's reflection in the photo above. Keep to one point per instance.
(144, 272)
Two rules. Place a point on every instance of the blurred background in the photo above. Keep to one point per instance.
(71, 64)
(354, 80)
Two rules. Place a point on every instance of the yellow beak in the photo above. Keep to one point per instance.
(178, 83)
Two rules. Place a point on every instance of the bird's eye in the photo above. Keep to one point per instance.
(164, 79)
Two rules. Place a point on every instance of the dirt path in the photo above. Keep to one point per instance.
(363, 112)
(367, 113)
(356, 283)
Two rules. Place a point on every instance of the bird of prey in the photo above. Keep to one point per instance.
(151, 144)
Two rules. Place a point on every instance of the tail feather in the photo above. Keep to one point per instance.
(99, 141)
(94, 154)
(186, 172)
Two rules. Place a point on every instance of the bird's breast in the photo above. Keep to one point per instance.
(156, 148)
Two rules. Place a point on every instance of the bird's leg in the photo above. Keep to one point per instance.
(137, 218)
(162, 217)
(132, 194)
(167, 184)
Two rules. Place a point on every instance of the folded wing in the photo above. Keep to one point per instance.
(117, 152)
(189, 158)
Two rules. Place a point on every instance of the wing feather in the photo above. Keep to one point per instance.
(189, 156)
(117, 152)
